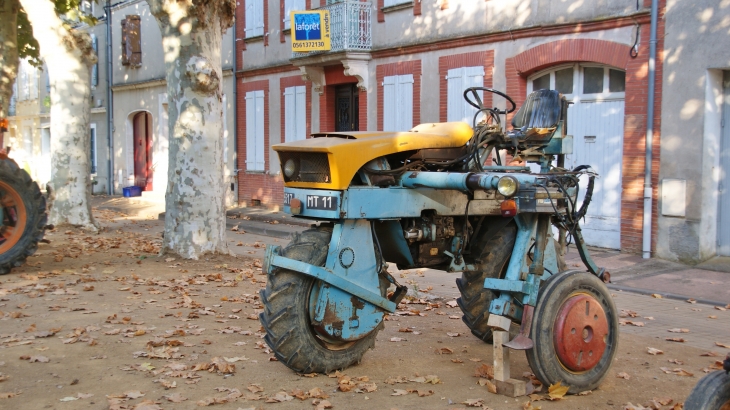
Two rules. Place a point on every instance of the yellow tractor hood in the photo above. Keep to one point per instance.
(347, 152)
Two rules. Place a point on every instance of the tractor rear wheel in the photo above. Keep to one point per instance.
(711, 392)
(23, 214)
(492, 262)
(286, 316)
(575, 331)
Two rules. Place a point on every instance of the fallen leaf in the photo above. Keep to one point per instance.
(133, 394)
(623, 375)
(557, 391)
(397, 339)
(656, 295)
(473, 402)
(678, 330)
(399, 392)
(175, 398)
(675, 339)
(39, 359)
(722, 345)
(653, 351)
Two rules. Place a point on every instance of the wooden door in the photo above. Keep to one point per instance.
(723, 211)
(142, 142)
(347, 108)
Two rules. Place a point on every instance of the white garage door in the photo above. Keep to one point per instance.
(596, 121)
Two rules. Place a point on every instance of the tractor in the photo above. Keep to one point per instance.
(22, 212)
(442, 196)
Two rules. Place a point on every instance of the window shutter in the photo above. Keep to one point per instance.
(260, 161)
(95, 67)
(250, 17)
(389, 103)
(131, 41)
(473, 77)
(300, 125)
(289, 6)
(33, 80)
(455, 91)
(289, 114)
(258, 18)
(13, 100)
(250, 131)
(92, 132)
(405, 102)
(23, 79)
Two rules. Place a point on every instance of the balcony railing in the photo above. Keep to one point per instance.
(351, 27)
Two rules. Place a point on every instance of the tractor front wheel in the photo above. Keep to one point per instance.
(575, 331)
(286, 316)
(23, 214)
(711, 392)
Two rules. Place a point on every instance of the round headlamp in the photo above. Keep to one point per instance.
(507, 186)
(291, 168)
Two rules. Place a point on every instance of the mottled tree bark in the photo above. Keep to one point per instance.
(8, 52)
(68, 55)
(195, 221)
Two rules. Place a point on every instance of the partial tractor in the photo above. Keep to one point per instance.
(22, 212)
(442, 196)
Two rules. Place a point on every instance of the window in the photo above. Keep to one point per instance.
(460, 79)
(590, 82)
(28, 81)
(254, 18)
(289, 6)
(255, 131)
(398, 103)
(131, 41)
(389, 3)
(295, 113)
(95, 67)
(13, 100)
(87, 7)
(92, 158)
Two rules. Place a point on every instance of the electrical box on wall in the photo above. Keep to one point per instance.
(674, 197)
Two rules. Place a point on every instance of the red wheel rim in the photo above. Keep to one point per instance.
(580, 333)
(14, 217)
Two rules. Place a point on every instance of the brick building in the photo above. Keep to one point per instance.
(396, 63)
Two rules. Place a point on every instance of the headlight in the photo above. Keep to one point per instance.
(291, 168)
(507, 186)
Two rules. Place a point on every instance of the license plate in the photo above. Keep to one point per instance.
(327, 203)
(288, 196)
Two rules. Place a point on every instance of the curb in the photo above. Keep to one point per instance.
(266, 218)
(666, 295)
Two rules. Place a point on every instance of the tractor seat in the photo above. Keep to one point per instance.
(538, 117)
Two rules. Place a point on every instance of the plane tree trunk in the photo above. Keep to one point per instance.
(192, 31)
(8, 52)
(69, 55)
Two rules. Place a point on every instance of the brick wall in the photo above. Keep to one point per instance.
(400, 68)
(334, 76)
(519, 67)
(446, 63)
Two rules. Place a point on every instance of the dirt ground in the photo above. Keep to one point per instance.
(102, 321)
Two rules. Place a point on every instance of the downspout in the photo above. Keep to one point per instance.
(235, 106)
(649, 135)
(109, 99)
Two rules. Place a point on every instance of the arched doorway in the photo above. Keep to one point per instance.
(142, 150)
(596, 122)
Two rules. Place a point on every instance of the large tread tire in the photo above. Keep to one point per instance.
(492, 263)
(712, 392)
(14, 178)
(286, 320)
(542, 358)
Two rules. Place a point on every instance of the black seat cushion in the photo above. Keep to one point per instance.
(541, 110)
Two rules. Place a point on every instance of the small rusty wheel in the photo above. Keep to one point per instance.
(14, 217)
(580, 334)
(575, 331)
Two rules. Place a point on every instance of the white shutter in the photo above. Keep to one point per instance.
(389, 103)
(260, 159)
(289, 6)
(300, 126)
(473, 77)
(454, 98)
(224, 104)
(389, 3)
(250, 18)
(289, 114)
(254, 131)
(258, 18)
(23, 80)
(33, 80)
(405, 102)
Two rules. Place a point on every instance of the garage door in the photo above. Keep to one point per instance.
(596, 121)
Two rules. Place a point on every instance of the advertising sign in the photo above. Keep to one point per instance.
(310, 30)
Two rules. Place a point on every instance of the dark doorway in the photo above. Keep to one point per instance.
(346, 108)
(142, 142)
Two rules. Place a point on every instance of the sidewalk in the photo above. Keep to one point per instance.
(707, 283)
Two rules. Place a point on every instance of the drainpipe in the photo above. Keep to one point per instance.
(649, 134)
(109, 99)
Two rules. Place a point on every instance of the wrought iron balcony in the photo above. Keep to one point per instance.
(351, 28)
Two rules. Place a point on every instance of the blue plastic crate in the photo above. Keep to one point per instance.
(131, 191)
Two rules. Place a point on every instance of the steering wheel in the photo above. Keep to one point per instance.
(476, 102)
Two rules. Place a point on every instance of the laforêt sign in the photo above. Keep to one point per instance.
(310, 30)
